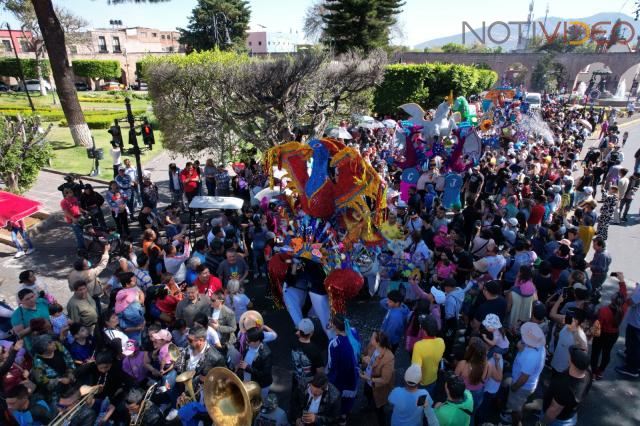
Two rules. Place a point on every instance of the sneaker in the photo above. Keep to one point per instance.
(31, 250)
(19, 254)
(172, 415)
(505, 417)
(625, 372)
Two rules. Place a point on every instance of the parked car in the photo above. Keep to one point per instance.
(141, 85)
(82, 87)
(33, 86)
(3, 87)
(111, 85)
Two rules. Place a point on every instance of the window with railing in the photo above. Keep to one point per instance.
(102, 44)
(6, 45)
(115, 43)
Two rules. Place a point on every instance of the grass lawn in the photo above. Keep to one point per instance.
(68, 157)
(13, 100)
(72, 159)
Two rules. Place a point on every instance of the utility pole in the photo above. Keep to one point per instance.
(24, 81)
(133, 139)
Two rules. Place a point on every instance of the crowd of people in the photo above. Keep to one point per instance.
(505, 290)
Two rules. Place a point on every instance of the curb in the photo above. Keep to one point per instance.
(46, 220)
(84, 177)
(630, 122)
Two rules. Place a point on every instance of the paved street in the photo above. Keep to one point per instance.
(608, 402)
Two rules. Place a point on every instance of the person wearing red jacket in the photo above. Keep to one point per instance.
(609, 317)
(190, 179)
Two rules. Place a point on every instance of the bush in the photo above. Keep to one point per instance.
(9, 67)
(428, 84)
(101, 120)
(96, 68)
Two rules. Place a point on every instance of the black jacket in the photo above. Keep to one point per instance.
(212, 358)
(260, 368)
(328, 412)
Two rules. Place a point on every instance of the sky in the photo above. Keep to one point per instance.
(421, 20)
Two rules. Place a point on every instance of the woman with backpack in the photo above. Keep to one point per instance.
(609, 317)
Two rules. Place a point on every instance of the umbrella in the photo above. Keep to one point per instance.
(271, 193)
(389, 123)
(230, 203)
(367, 119)
(410, 175)
(340, 133)
(586, 124)
(371, 125)
(14, 207)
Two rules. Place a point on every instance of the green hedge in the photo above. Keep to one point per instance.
(94, 119)
(428, 84)
(9, 67)
(96, 68)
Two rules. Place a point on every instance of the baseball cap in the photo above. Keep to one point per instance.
(512, 221)
(579, 357)
(306, 326)
(122, 168)
(162, 335)
(270, 235)
(413, 375)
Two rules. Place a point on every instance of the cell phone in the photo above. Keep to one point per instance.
(565, 292)
(613, 274)
(421, 400)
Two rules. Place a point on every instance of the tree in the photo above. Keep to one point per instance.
(23, 11)
(215, 100)
(454, 48)
(357, 24)
(313, 21)
(96, 69)
(24, 150)
(220, 24)
(548, 75)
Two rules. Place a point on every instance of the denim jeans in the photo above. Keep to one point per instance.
(77, 232)
(14, 237)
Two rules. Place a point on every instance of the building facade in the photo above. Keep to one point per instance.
(262, 42)
(125, 45)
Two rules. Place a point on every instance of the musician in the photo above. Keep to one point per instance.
(109, 375)
(199, 356)
(151, 414)
(316, 403)
(23, 411)
(68, 400)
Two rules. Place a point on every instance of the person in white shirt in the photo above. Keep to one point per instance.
(116, 155)
(135, 185)
(623, 186)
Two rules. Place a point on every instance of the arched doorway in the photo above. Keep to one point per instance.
(516, 74)
(588, 73)
(630, 78)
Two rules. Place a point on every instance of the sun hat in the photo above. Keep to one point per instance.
(492, 321)
(532, 335)
(413, 375)
(438, 295)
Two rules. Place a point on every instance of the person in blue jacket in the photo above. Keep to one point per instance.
(395, 321)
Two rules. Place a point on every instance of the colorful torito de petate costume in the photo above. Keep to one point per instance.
(334, 209)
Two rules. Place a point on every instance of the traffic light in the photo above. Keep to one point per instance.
(147, 134)
(116, 135)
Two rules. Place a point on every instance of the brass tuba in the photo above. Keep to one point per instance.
(177, 356)
(229, 401)
(187, 379)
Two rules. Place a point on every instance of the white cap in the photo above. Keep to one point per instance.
(413, 375)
